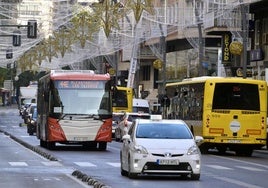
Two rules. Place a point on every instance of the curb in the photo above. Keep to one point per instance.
(91, 181)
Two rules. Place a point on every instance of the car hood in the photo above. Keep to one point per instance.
(166, 145)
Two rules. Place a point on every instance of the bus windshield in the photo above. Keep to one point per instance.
(236, 96)
(82, 100)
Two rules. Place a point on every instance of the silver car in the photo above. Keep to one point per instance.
(160, 147)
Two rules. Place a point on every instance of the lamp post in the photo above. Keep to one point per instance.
(244, 36)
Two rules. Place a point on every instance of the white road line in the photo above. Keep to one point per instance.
(219, 167)
(85, 164)
(251, 168)
(18, 163)
(114, 164)
(52, 163)
(246, 162)
(240, 183)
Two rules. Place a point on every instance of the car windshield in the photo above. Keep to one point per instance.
(163, 130)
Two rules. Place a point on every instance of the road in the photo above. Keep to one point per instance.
(27, 164)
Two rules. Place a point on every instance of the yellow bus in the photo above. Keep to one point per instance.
(229, 113)
(122, 99)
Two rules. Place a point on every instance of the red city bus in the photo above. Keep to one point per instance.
(74, 107)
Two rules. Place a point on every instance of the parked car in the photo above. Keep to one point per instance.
(31, 119)
(160, 147)
(126, 121)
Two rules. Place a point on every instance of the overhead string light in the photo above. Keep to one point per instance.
(112, 32)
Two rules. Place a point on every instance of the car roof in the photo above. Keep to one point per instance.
(162, 121)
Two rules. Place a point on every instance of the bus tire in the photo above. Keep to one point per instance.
(102, 146)
(42, 143)
(51, 145)
(244, 152)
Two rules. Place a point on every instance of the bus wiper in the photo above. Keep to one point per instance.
(94, 116)
(62, 116)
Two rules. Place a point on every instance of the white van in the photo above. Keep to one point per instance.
(140, 106)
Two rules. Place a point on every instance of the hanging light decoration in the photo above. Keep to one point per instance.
(158, 64)
(108, 13)
(236, 48)
(63, 40)
(41, 51)
(139, 6)
(83, 27)
(51, 46)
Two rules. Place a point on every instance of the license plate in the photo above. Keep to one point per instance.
(80, 138)
(168, 162)
(234, 141)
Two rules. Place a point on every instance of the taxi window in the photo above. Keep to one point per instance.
(159, 130)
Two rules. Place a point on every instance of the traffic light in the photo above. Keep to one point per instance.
(9, 53)
(16, 38)
(32, 29)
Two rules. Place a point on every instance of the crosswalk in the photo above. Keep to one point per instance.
(117, 165)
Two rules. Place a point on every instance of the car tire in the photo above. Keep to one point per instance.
(195, 176)
(130, 174)
(123, 172)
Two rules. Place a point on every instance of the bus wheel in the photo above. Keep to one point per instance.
(203, 149)
(221, 150)
(51, 145)
(102, 145)
(244, 152)
(43, 143)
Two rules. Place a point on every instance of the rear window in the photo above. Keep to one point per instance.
(236, 96)
(163, 131)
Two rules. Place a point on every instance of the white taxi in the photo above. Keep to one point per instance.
(160, 147)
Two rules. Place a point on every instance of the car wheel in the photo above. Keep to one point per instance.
(130, 174)
(195, 176)
(123, 172)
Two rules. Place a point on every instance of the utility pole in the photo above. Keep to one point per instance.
(244, 36)
(200, 37)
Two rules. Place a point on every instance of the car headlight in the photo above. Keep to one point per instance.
(140, 149)
(193, 150)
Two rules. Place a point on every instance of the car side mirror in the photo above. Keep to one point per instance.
(199, 140)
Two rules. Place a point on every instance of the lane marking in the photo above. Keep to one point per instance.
(246, 162)
(18, 163)
(52, 163)
(219, 167)
(251, 168)
(85, 164)
(236, 182)
(114, 164)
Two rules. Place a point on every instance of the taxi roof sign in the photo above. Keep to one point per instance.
(156, 117)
